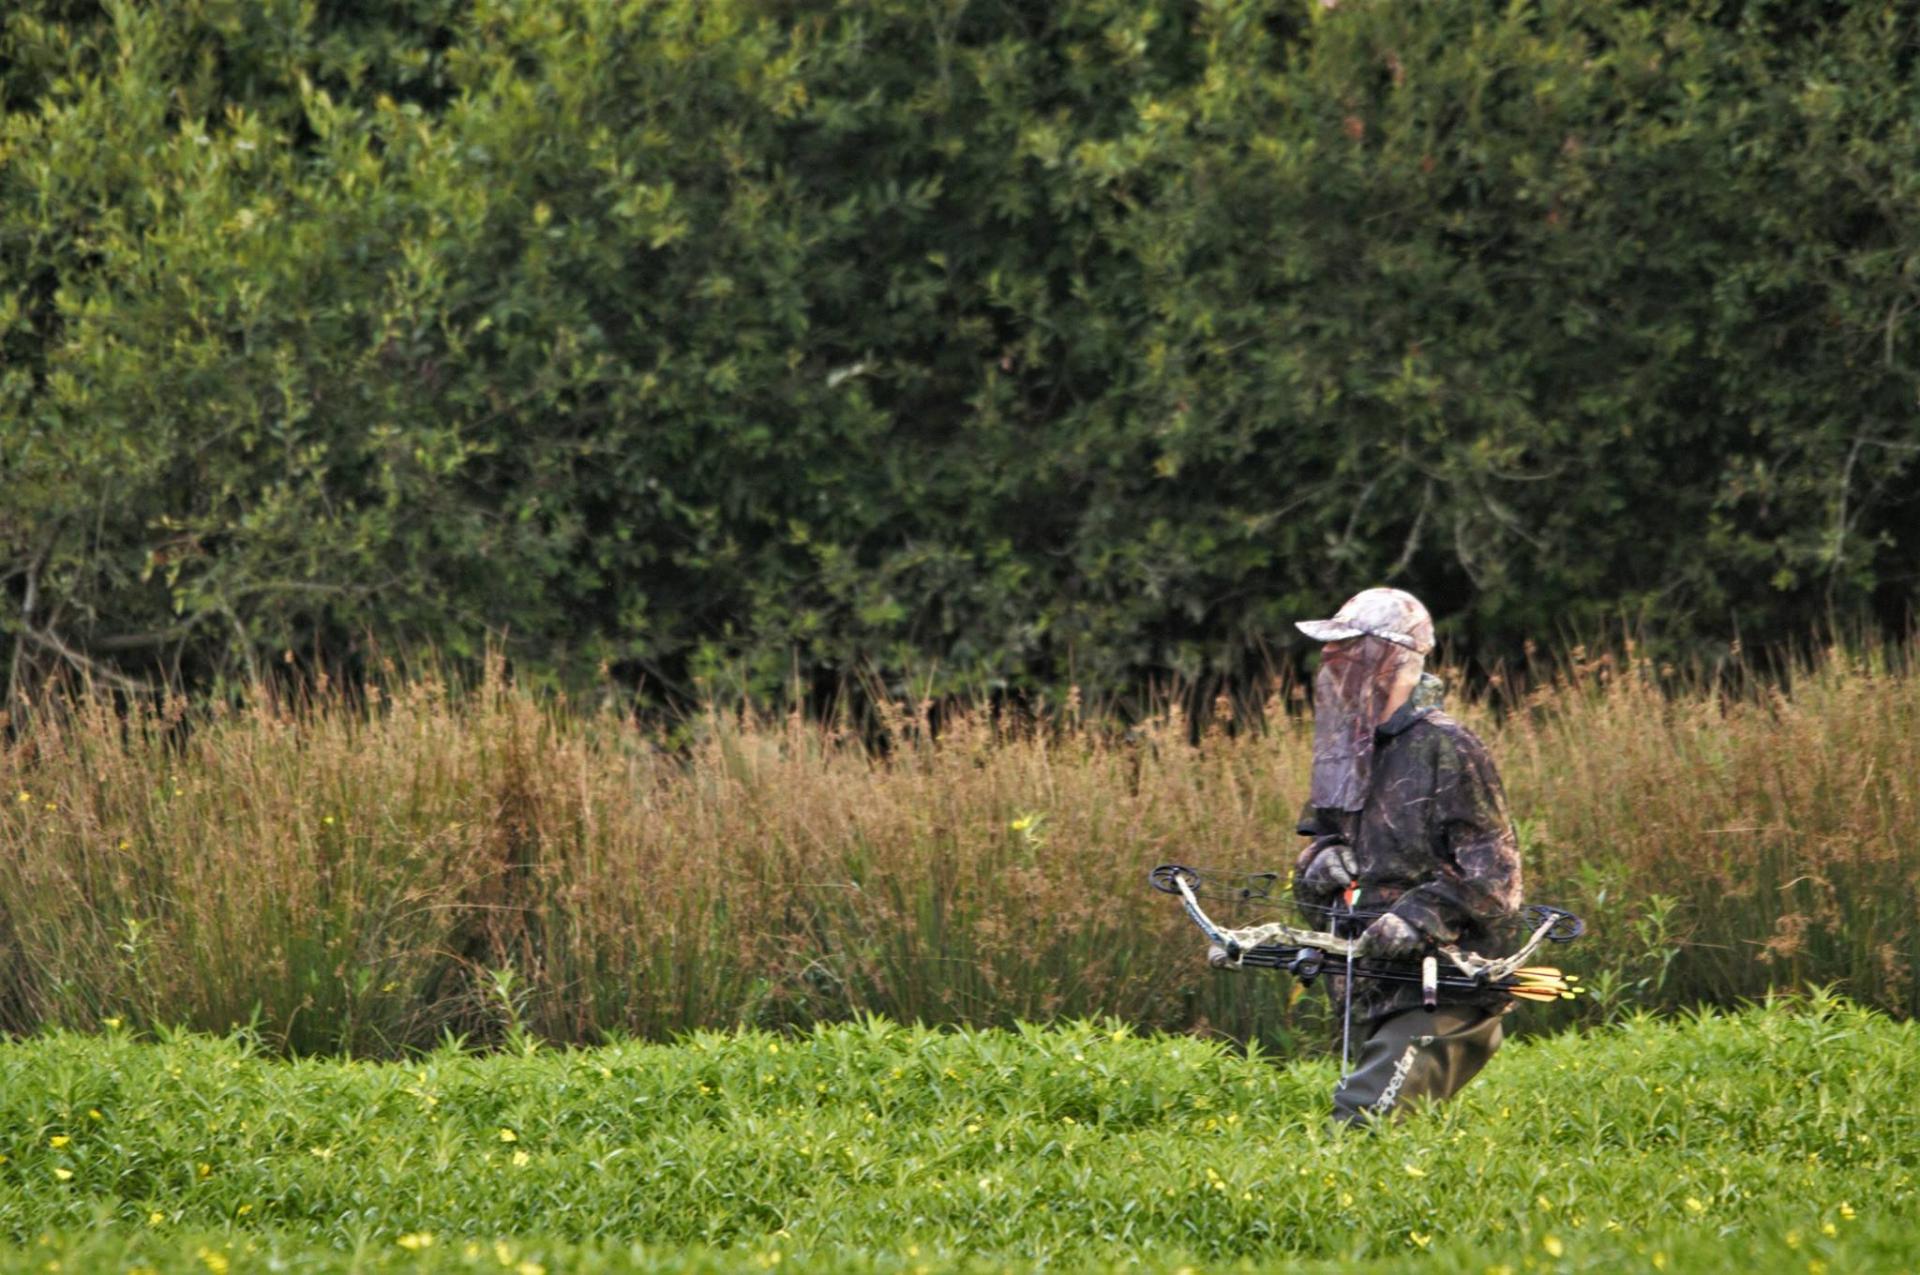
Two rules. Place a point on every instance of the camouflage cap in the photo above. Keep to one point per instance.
(1393, 615)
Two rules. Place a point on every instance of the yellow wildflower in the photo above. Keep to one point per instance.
(416, 1240)
(508, 1135)
(65, 1175)
(1553, 1246)
(58, 1140)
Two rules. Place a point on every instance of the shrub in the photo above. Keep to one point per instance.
(1014, 345)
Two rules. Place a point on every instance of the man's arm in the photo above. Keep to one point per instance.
(1479, 870)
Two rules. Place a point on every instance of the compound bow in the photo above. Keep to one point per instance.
(1278, 945)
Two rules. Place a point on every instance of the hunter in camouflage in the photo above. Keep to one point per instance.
(1408, 825)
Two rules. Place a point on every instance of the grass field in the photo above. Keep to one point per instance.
(1777, 1139)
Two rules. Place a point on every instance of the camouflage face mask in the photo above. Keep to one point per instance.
(1350, 695)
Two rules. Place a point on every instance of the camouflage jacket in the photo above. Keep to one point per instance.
(1432, 843)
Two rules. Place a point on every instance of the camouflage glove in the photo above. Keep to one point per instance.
(1390, 938)
(1330, 866)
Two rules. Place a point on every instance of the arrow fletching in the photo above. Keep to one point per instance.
(1542, 983)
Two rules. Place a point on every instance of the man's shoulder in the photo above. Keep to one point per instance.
(1437, 730)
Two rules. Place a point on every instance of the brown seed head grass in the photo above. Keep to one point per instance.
(351, 873)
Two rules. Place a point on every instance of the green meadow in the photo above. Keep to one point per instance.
(1782, 1137)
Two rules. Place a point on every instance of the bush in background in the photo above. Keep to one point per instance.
(1018, 345)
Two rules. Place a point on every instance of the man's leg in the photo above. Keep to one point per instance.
(1416, 1054)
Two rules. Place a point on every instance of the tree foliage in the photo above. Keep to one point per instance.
(1088, 341)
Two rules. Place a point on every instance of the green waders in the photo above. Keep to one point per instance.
(1414, 1054)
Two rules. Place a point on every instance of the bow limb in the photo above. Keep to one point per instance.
(1476, 966)
(1239, 942)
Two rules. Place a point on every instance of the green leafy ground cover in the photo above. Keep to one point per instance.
(1782, 1138)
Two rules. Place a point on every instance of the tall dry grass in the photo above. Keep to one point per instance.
(1763, 833)
(368, 875)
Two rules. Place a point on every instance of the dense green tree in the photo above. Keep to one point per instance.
(1019, 342)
